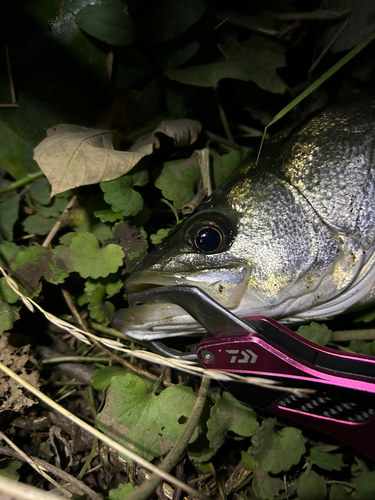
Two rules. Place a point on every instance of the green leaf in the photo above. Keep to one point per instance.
(179, 180)
(363, 347)
(108, 215)
(89, 260)
(54, 208)
(147, 424)
(106, 23)
(312, 487)
(181, 55)
(8, 315)
(121, 195)
(229, 415)
(224, 165)
(121, 492)
(9, 207)
(9, 468)
(319, 334)
(94, 295)
(101, 378)
(325, 460)
(264, 486)
(255, 60)
(366, 487)
(170, 18)
(338, 492)
(160, 235)
(248, 460)
(40, 191)
(36, 224)
(33, 263)
(6, 293)
(277, 451)
(366, 318)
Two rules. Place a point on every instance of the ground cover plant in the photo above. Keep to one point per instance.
(103, 107)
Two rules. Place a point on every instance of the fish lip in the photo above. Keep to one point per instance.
(150, 280)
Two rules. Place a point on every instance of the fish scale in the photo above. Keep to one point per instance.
(297, 232)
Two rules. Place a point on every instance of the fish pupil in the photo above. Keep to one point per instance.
(208, 239)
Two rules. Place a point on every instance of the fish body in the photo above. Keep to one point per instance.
(291, 238)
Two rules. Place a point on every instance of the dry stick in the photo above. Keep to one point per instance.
(12, 489)
(146, 489)
(326, 49)
(95, 432)
(34, 465)
(11, 85)
(57, 226)
(56, 471)
(111, 354)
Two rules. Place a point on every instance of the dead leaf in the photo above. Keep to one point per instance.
(12, 396)
(73, 156)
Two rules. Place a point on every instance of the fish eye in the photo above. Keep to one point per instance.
(209, 236)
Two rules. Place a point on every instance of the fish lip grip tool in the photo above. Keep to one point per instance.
(342, 400)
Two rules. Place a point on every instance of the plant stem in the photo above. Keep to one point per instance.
(224, 120)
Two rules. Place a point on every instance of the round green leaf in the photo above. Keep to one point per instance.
(107, 23)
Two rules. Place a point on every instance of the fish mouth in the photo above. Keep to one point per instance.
(153, 321)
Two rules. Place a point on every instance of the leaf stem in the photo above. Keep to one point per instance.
(224, 119)
(22, 182)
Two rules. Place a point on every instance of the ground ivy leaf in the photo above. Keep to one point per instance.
(102, 377)
(33, 263)
(9, 468)
(121, 195)
(106, 23)
(108, 215)
(277, 451)
(40, 191)
(319, 334)
(94, 295)
(121, 492)
(160, 235)
(89, 260)
(338, 492)
(179, 181)
(8, 315)
(366, 487)
(6, 293)
(229, 415)
(36, 224)
(248, 460)
(224, 165)
(170, 18)
(264, 486)
(9, 252)
(312, 487)
(133, 241)
(54, 208)
(326, 460)
(246, 61)
(9, 208)
(147, 424)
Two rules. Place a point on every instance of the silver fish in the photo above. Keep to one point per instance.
(291, 238)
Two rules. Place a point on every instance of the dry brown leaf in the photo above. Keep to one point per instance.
(12, 396)
(73, 156)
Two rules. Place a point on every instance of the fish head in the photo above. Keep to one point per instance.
(200, 253)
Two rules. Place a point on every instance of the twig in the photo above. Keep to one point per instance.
(224, 119)
(345, 335)
(111, 354)
(33, 464)
(12, 489)
(146, 489)
(326, 49)
(11, 84)
(57, 226)
(316, 15)
(189, 208)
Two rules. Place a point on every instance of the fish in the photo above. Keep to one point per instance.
(291, 237)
